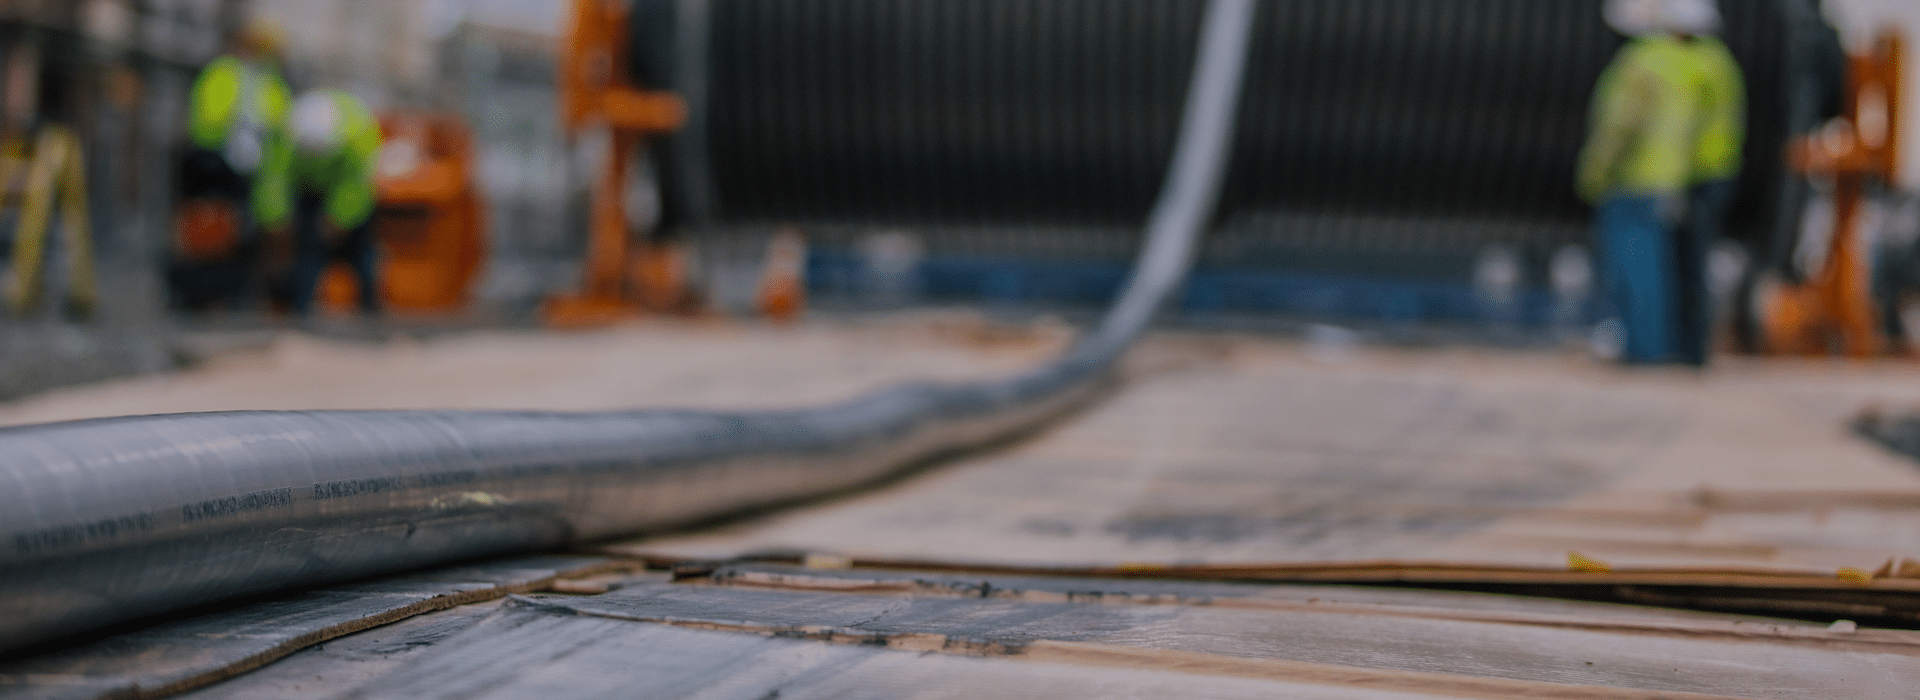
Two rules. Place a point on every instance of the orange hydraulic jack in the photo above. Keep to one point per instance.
(1834, 309)
(595, 93)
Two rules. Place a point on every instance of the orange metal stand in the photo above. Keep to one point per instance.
(1834, 309)
(594, 93)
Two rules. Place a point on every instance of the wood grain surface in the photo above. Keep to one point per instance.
(161, 659)
(760, 632)
(1263, 453)
(1223, 457)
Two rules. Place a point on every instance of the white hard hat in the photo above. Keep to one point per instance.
(1690, 17)
(1633, 17)
(316, 123)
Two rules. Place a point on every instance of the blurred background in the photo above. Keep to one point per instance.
(1395, 355)
(1403, 168)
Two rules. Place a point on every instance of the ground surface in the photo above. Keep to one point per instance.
(1217, 450)
(661, 364)
(1253, 450)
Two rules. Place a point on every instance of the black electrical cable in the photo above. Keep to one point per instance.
(113, 519)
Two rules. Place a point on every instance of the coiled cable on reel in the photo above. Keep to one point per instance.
(1390, 126)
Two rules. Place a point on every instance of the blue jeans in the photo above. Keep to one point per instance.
(1707, 205)
(1636, 270)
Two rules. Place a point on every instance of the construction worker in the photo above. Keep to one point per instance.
(1635, 168)
(1719, 136)
(336, 143)
(238, 126)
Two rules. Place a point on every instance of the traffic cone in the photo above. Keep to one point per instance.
(783, 286)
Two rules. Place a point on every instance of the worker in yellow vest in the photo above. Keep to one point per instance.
(1637, 165)
(336, 145)
(237, 123)
(43, 161)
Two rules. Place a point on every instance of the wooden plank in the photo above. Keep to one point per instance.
(534, 655)
(1413, 466)
(331, 668)
(859, 633)
(531, 653)
(1382, 571)
(186, 653)
(984, 584)
(1642, 660)
(1439, 605)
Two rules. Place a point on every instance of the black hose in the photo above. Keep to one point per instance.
(117, 518)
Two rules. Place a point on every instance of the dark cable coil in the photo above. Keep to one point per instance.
(1398, 126)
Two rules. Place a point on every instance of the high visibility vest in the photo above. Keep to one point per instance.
(240, 109)
(1723, 110)
(344, 176)
(1644, 120)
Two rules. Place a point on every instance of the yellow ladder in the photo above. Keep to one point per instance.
(56, 168)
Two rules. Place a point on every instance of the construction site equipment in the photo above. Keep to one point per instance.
(158, 513)
(1834, 309)
(1388, 143)
(205, 229)
(598, 93)
(213, 257)
(430, 220)
(55, 170)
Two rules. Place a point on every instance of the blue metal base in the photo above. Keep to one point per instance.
(1210, 289)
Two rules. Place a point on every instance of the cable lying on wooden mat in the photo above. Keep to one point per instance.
(114, 519)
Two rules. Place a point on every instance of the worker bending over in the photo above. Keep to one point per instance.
(1649, 118)
(238, 126)
(336, 142)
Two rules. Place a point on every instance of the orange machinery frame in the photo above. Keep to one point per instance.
(1834, 308)
(595, 93)
(430, 219)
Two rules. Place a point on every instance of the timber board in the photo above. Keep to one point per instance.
(1396, 465)
(185, 653)
(1619, 658)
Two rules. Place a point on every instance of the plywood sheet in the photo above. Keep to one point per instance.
(757, 632)
(1459, 605)
(172, 656)
(541, 656)
(1649, 657)
(332, 668)
(1255, 452)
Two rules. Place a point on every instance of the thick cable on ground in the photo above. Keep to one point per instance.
(114, 519)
